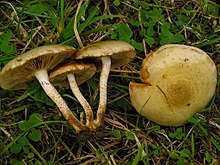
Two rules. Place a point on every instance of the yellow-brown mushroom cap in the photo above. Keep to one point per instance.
(120, 52)
(18, 72)
(82, 72)
(178, 81)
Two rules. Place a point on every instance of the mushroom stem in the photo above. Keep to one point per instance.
(76, 91)
(50, 90)
(106, 66)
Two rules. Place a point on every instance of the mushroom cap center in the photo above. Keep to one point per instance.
(179, 93)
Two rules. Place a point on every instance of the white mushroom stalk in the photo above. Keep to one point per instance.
(71, 75)
(111, 54)
(76, 91)
(42, 77)
(106, 65)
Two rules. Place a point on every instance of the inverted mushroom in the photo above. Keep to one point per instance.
(106, 55)
(34, 64)
(178, 81)
(73, 74)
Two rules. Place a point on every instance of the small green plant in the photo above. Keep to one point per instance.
(6, 47)
(178, 134)
(125, 134)
(117, 2)
(167, 37)
(210, 158)
(29, 133)
(124, 33)
(182, 157)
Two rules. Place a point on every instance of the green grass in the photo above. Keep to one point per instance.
(31, 130)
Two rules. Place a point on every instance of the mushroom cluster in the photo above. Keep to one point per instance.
(177, 82)
(37, 63)
(106, 55)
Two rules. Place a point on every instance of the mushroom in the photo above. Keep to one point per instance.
(73, 74)
(106, 55)
(178, 81)
(34, 64)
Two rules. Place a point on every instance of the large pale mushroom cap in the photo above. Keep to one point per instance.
(18, 72)
(178, 81)
(120, 52)
(82, 72)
